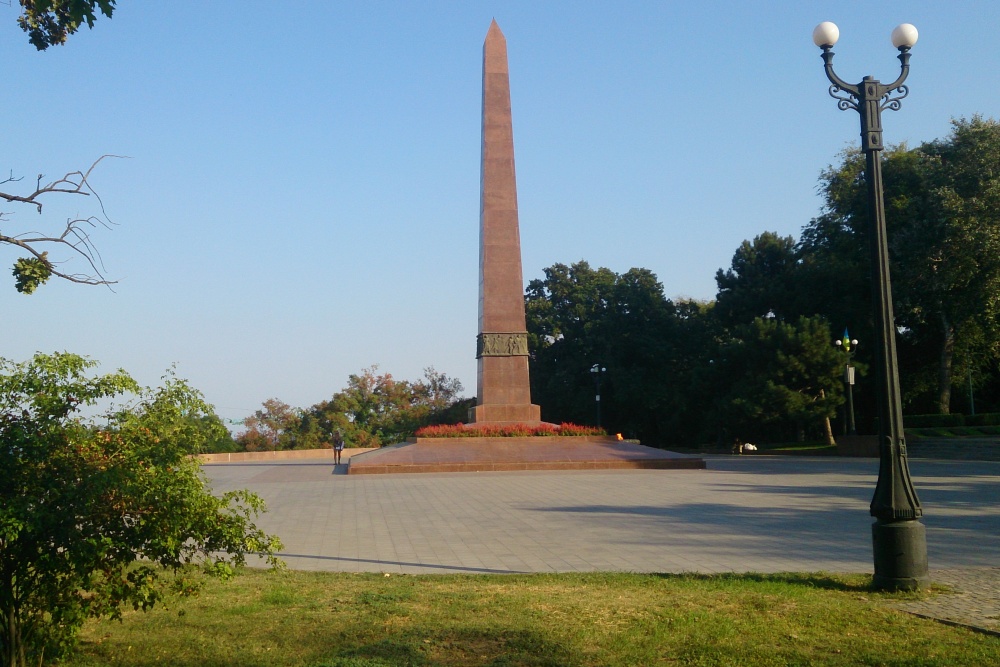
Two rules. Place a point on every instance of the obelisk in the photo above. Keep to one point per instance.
(504, 395)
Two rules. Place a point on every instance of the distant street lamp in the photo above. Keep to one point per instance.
(597, 369)
(850, 347)
(899, 540)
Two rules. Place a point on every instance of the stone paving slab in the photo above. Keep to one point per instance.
(974, 601)
(741, 514)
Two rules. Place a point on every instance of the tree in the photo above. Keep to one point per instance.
(654, 350)
(950, 249)
(50, 22)
(566, 315)
(781, 374)
(212, 434)
(376, 409)
(37, 267)
(943, 219)
(102, 513)
(761, 281)
(373, 410)
(270, 428)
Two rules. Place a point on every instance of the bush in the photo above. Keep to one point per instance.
(983, 419)
(103, 513)
(934, 421)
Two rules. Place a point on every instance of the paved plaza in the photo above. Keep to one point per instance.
(762, 514)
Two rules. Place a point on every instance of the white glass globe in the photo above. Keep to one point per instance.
(827, 34)
(904, 36)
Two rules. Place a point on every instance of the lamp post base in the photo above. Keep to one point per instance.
(900, 555)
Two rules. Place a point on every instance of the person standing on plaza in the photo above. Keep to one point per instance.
(338, 446)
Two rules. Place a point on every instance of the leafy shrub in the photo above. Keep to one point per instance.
(104, 513)
(575, 429)
(933, 421)
(983, 419)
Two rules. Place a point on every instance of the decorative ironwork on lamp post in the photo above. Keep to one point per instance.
(849, 346)
(898, 538)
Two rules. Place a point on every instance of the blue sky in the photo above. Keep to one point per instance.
(301, 195)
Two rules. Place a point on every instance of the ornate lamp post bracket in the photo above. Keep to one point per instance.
(870, 97)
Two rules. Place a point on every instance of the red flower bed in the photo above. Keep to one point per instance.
(505, 431)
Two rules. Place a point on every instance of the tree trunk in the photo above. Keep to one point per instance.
(827, 429)
(944, 369)
(13, 646)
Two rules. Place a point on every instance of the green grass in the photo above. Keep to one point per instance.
(364, 620)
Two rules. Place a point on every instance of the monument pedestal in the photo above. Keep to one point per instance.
(422, 455)
(507, 414)
(504, 395)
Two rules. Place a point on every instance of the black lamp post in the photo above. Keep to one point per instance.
(850, 347)
(597, 369)
(899, 540)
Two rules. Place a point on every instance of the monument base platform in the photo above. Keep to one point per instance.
(500, 414)
(507, 454)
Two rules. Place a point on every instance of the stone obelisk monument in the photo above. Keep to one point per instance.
(503, 394)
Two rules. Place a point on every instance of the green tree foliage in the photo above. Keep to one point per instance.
(565, 314)
(943, 219)
(213, 436)
(655, 351)
(30, 272)
(187, 421)
(374, 409)
(761, 281)
(780, 376)
(50, 22)
(99, 514)
(271, 428)
(680, 373)
(761, 362)
(949, 252)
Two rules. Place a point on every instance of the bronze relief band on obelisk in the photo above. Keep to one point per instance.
(503, 395)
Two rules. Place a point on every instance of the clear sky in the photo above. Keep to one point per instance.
(301, 197)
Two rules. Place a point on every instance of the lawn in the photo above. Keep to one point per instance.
(374, 620)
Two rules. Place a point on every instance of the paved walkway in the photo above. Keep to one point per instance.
(975, 601)
(742, 514)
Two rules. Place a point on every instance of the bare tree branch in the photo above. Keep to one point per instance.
(75, 236)
(11, 179)
(74, 183)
